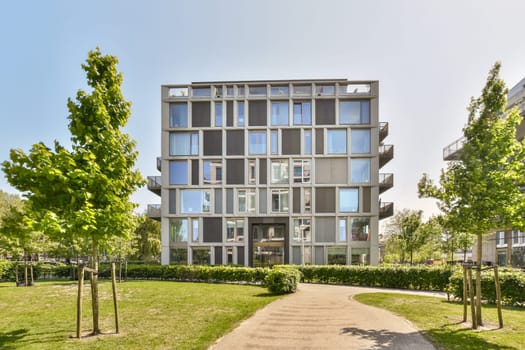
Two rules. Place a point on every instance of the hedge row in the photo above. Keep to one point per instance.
(40, 271)
(281, 280)
(512, 284)
(401, 277)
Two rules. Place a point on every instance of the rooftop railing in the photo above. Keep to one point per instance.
(452, 151)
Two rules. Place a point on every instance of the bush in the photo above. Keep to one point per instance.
(512, 283)
(281, 280)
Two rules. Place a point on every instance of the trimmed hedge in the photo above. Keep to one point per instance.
(40, 270)
(401, 277)
(512, 282)
(281, 280)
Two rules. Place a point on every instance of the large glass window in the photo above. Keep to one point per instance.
(307, 142)
(246, 201)
(279, 90)
(257, 90)
(349, 200)
(184, 143)
(301, 171)
(325, 90)
(360, 229)
(360, 170)
(234, 230)
(195, 229)
(218, 114)
(178, 230)
(201, 91)
(336, 255)
(279, 113)
(178, 172)
(240, 113)
(212, 172)
(195, 201)
(302, 113)
(305, 90)
(274, 142)
(336, 141)
(201, 255)
(360, 141)
(302, 230)
(307, 200)
(280, 201)
(342, 230)
(360, 256)
(354, 112)
(179, 256)
(280, 171)
(178, 115)
(500, 238)
(257, 142)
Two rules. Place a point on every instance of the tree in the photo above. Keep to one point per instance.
(481, 192)
(147, 239)
(82, 195)
(404, 231)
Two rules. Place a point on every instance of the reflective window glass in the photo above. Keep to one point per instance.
(184, 144)
(354, 112)
(240, 114)
(178, 230)
(178, 172)
(257, 142)
(348, 200)
(360, 170)
(178, 115)
(360, 141)
(212, 172)
(279, 171)
(336, 141)
(302, 113)
(360, 229)
(274, 142)
(307, 142)
(280, 113)
(218, 114)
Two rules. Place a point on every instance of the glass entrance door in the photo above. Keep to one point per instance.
(268, 244)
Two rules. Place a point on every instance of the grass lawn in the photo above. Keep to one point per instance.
(440, 321)
(152, 314)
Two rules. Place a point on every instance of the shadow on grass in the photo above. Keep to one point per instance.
(464, 339)
(384, 339)
(266, 295)
(20, 338)
(9, 339)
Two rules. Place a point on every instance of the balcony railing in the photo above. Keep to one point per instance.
(386, 154)
(386, 209)
(383, 131)
(386, 182)
(154, 184)
(153, 211)
(159, 164)
(453, 151)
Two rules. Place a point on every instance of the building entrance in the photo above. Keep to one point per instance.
(268, 244)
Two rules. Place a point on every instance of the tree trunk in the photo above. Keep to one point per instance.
(115, 302)
(478, 281)
(94, 287)
(79, 299)
(25, 270)
(465, 287)
(411, 257)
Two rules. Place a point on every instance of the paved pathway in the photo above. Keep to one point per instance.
(324, 317)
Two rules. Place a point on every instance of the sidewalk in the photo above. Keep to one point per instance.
(324, 317)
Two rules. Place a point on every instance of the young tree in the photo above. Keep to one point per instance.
(404, 232)
(82, 194)
(147, 239)
(481, 192)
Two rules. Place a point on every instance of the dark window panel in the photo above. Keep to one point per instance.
(229, 113)
(257, 113)
(291, 141)
(325, 200)
(240, 256)
(235, 171)
(235, 142)
(172, 202)
(262, 171)
(262, 201)
(319, 141)
(212, 143)
(325, 112)
(195, 172)
(367, 199)
(218, 255)
(218, 201)
(229, 201)
(200, 114)
(212, 230)
(296, 200)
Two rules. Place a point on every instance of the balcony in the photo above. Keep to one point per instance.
(383, 131)
(386, 182)
(154, 184)
(453, 151)
(386, 154)
(159, 164)
(386, 209)
(153, 211)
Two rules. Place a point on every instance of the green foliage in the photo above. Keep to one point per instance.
(512, 284)
(146, 240)
(402, 277)
(40, 270)
(281, 280)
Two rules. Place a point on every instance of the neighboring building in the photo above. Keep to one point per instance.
(271, 172)
(501, 247)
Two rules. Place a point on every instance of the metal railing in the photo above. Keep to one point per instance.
(451, 152)
(386, 154)
(386, 181)
(383, 131)
(386, 209)
(153, 211)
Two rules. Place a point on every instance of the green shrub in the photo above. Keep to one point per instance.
(281, 280)
(512, 283)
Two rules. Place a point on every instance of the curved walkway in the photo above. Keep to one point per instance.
(325, 317)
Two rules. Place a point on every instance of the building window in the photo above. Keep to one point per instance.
(301, 171)
(336, 255)
(354, 112)
(336, 141)
(178, 230)
(229, 91)
(348, 200)
(246, 201)
(307, 200)
(360, 256)
(302, 90)
(178, 115)
(201, 92)
(218, 114)
(201, 255)
(302, 230)
(240, 113)
(212, 172)
(280, 201)
(279, 171)
(257, 90)
(279, 90)
(195, 229)
(302, 113)
(184, 143)
(342, 230)
(179, 256)
(178, 172)
(274, 142)
(360, 141)
(360, 170)
(307, 142)
(280, 113)
(252, 172)
(257, 142)
(360, 229)
(234, 230)
(323, 90)
(500, 239)
(195, 201)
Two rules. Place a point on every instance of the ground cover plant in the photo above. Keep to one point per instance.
(440, 321)
(154, 314)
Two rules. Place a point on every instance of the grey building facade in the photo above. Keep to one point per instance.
(258, 173)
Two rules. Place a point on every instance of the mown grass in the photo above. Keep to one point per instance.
(441, 321)
(153, 314)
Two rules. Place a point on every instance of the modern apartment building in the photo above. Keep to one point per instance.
(257, 173)
(500, 247)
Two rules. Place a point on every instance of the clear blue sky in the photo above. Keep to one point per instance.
(429, 56)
